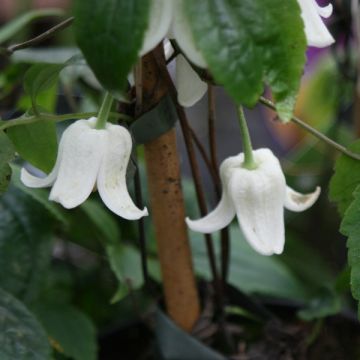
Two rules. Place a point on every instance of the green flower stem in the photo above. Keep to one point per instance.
(104, 111)
(249, 162)
(27, 120)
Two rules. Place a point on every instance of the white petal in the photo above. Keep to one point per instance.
(258, 196)
(325, 11)
(223, 214)
(316, 31)
(32, 181)
(182, 34)
(219, 218)
(189, 85)
(36, 182)
(161, 14)
(168, 49)
(112, 175)
(297, 202)
(82, 153)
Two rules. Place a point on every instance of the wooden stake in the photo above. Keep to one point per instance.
(167, 205)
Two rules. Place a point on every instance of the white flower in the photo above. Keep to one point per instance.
(89, 157)
(258, 198)
(167, 20)
(316, 31)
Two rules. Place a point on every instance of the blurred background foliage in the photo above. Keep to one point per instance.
(75, 276)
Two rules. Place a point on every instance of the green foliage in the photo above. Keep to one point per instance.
(251, 272)
(13, 27)
(71, 332)
(25, 244)
(110, 34)
(175, 344)
(7, 153)
(41, 196)
(104, 223)
(126, 264)
(326, 303)
(21, 336)
(36, 143)
(346, 179)
(156, 122)
(350, 227)
(39, 78)
(243, 41)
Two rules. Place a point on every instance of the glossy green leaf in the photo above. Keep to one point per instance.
(176, 344)
(350, 227)
(36, 143)
(244, 42)
(110, 34)
(251, 272)
(21, 336)
(156, 122)
(7, 153)
(125, 262)
(345, 179)
(39, 78)
(105, 223)
(71, 330)
(25, 244)
(13, 27)
(41, 196)
(326, 303)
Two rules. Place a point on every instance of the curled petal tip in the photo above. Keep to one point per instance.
(325, 11)
(297, 202)
(189, 85)
(216, 220)
(35, 182)
(316, 31)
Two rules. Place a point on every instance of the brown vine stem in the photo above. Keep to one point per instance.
(204, 155)
(186, 130)
(314, 132)
(36, 40)
(224, 234)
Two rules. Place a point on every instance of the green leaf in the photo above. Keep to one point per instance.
(125, 262)
(156, 122)
(40, 78)
(251, 272)
(21, 336)
(16, 25)
(243, 41)
(345, 179)
(110, 34)
(350, 227)
(326, 303)
(176, 344)
(36, 143)
(25, 244)
(71, 332)
(103, 221)
(41, 196)
(7, 153)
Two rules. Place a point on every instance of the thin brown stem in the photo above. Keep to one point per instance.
(36, 40)
(204, 155)
(225, 237)
(314, 132)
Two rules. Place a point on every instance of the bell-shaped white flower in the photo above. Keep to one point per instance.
(89, 157)
(257, 197)
(167, 20)
(316, 31)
